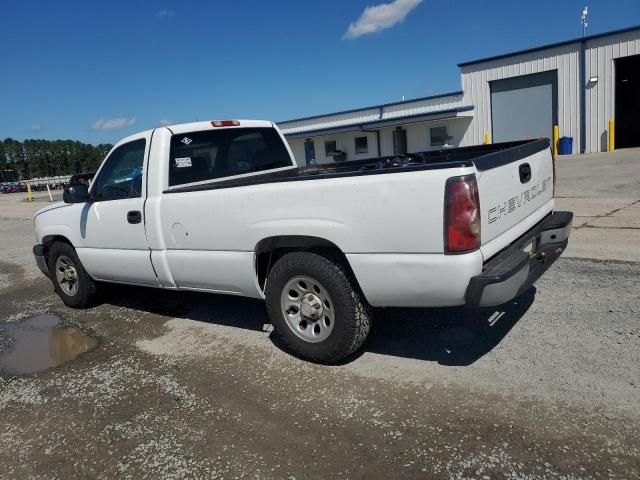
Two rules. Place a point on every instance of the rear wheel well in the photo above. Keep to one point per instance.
(269, 250)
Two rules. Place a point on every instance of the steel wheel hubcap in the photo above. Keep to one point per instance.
(66, 275)
(307, 308)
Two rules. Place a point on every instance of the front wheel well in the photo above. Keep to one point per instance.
(269, 250)
(49, 240)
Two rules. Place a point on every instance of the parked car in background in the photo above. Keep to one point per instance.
(222, 207)
(11, 188)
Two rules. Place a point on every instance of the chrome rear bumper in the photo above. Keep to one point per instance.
(513, 271)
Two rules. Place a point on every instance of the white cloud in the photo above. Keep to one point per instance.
(164, 122)
(36, 128)
(113, 123)
(380, 17)
(165, 14)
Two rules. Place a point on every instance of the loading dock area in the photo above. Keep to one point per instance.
(588, 87)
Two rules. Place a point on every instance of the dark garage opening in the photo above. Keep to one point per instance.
(627, 102)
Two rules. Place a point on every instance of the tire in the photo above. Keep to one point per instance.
(83, 294)
(344, 318)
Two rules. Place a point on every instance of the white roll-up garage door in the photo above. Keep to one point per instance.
(524, 107)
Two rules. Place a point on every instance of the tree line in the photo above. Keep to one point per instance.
(47, 158)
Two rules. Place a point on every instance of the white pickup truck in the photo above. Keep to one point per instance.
(222, 207)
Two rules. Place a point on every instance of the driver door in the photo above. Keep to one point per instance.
(112, 224)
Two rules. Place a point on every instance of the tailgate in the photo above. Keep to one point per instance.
(513, 184)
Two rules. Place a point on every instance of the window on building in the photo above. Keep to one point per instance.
(362, 145)
(330, 147)
(212, 154)
(439, 136)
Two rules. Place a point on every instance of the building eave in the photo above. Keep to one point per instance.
(452, 113)
(373, 107)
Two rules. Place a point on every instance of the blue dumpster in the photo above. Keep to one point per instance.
(565, 146)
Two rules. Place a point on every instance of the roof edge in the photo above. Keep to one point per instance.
(550, 45)
(353, 110)
(360, 126)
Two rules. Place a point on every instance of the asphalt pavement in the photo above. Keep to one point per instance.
(186, 385)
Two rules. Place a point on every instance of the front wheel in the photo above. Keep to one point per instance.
(70, 280)
(315, 308)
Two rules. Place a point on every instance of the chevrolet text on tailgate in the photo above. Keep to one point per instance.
(222, 207)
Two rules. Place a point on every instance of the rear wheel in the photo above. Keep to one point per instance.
(316, 309)
(70, 280)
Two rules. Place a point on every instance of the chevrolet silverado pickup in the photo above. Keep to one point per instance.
(223, 207)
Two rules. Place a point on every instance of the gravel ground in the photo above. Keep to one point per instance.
(195, 386)
(186, 385)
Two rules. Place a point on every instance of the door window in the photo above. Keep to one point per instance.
(121, 175)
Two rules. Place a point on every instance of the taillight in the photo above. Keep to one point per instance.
(225, 123)
(461, 215)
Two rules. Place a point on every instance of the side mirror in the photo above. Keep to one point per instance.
(78, 193)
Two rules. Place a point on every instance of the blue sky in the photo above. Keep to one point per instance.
(98, 71)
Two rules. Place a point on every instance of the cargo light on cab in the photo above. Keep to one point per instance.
(225, 123)
(461, 215)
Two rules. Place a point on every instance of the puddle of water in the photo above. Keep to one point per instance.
(40, 344)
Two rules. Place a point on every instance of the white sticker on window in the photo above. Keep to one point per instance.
(183, 162)
(186, 140)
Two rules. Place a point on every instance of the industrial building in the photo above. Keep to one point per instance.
(580, 85)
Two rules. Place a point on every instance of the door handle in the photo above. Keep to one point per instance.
(525, 172)
(134, 216)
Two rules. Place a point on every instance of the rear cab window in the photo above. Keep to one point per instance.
(213, 154)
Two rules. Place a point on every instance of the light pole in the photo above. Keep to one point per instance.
(583, 20)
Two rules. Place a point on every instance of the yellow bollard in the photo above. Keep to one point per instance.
(487, 138)
(556, 136)
(29, 194)
(612, 135)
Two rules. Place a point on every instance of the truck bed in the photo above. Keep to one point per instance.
(484, 157)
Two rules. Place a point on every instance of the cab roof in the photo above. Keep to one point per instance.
(179, 128)
(198, 126)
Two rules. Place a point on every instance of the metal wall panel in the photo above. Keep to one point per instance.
(600, 54)
(331, 120)
(422, 106)
(600, 97)
(476, 78)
